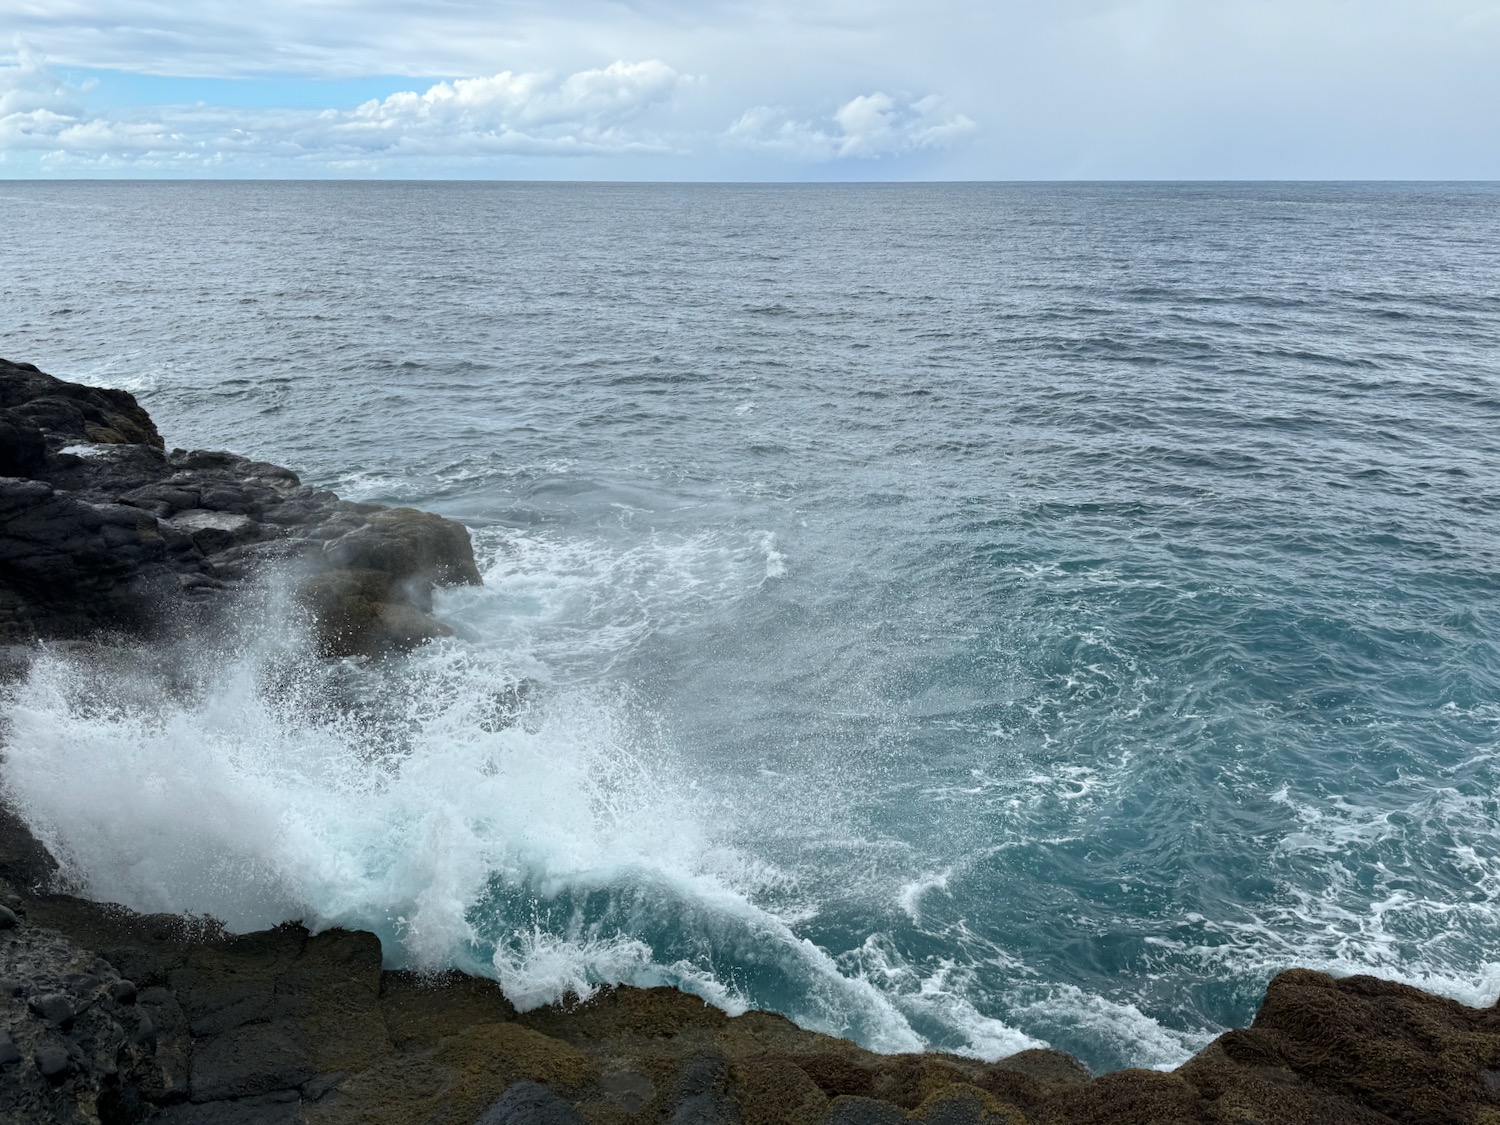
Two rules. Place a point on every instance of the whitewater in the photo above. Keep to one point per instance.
(955, 616)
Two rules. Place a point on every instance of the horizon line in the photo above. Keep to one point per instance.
(736, 182)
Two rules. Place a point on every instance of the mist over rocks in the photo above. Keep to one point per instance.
(102, 529)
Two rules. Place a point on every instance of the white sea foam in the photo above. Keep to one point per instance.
(124, 373)
(936, 998)
(1354, 907)
(911, 894)
(1122, 1025)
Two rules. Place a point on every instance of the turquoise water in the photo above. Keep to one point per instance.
(954, 616)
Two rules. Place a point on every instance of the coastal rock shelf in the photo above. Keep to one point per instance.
(102, 529)
(118, 1018)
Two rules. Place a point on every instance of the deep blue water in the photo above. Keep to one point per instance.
(960, 615)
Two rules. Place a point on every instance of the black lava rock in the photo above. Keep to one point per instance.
(52, 1062)
(530, 1103)
(53, 1007)
(101, 529)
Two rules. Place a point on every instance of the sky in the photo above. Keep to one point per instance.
(728, 90)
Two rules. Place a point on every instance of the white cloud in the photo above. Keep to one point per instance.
(870, 125)
(587, 112)
(588, 99)
(39, 112)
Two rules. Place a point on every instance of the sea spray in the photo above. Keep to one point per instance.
(548, 837)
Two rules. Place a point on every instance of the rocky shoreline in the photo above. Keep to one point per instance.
(115, 1017)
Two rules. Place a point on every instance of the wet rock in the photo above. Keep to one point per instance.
(24, 863)
(257, 1059)
(69, 413)
(703, 1093)
(9, 1052)
(530, 1103)
(23, 448)
(360, 612)
(8, 919)
(102, 530)
(53, 1007)
(404, 543)
(52, 1061)
(144, 1033)
(849, 1110)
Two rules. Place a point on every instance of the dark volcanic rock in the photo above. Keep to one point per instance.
(102, 529)
(530, 1103)
(68, 413)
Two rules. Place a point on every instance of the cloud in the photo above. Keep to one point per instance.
(505, 100)
(530, 113)
(40, 112)
(868, 126)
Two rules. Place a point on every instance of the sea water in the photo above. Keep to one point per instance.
(955, 616)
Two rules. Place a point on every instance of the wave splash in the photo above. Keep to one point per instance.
(550, 837)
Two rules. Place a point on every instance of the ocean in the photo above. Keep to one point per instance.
(955, 616)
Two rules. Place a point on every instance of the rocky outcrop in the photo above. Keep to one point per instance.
(103, 529)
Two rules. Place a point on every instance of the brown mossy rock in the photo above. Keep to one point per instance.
(631, 1014)
(454, 1082)
(849, 1109)
(421, 1008)
(1024, 1080)
(1370, 1045)
(909, 1080)
(283, 1027)
(839, 1073)
(363, 613)
(1253, 1089)
(963, 1104)
(1129, 1097)
(772, 1090)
